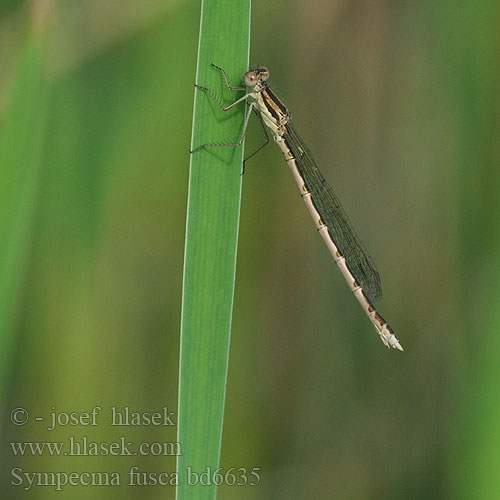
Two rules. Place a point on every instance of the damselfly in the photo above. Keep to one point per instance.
(323, 204)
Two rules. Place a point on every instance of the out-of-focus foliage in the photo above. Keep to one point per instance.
(398, 102)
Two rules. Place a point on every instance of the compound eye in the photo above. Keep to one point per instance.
(251, 79)
(264, 73)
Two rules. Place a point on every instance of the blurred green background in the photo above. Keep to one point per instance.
(399, 102)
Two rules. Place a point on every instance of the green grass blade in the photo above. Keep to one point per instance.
(21, 138)
(471, 39)
(211, 240)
